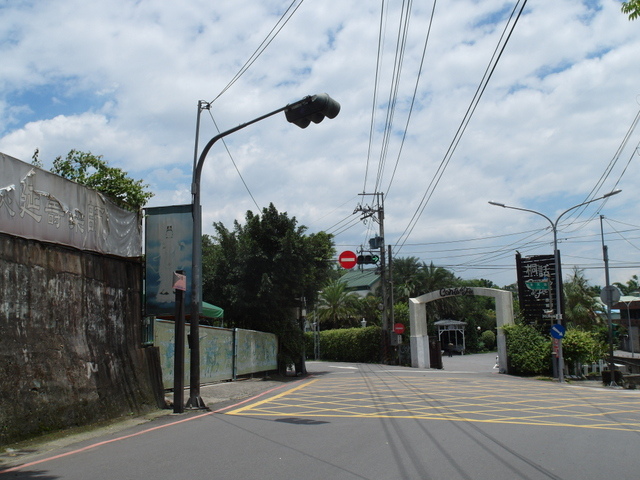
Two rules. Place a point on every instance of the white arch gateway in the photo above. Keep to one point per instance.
(418, 319)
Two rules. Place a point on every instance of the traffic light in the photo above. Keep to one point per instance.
(375, 242)
(312, 109)
(615, 330)
(367, 259)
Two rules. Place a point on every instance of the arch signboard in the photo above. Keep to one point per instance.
(418, 318)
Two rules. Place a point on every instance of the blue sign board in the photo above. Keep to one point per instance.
(168, 247)
(557, 331)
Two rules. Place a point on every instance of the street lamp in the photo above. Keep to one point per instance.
(313, 108)
(556, 259)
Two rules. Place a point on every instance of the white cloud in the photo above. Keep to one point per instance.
(123, 79)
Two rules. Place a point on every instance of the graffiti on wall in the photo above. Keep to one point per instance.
(256, 352)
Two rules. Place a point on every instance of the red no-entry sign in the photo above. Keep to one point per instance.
(347, 259)
(398, 328)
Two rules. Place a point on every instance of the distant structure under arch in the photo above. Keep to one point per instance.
(418, 318)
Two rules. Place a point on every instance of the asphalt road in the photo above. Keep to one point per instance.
(355, 421)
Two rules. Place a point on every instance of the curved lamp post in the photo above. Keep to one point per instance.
(313, 108)
(556, 259)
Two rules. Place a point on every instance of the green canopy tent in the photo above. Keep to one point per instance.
(211, 311)
(208, 311)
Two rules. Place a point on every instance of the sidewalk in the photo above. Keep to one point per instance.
(215, 396)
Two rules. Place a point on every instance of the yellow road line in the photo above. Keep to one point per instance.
(351, 398)
(268, 400)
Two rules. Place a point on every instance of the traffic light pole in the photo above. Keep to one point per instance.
(312, 107)
(195, 400)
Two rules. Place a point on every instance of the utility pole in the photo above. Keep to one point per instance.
(609, 300)
(377, 214)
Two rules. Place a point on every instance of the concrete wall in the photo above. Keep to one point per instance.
(69, 338)
(224, 353)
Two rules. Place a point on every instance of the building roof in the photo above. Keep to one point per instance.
(627, 302)
(450, 322)
(361, 280)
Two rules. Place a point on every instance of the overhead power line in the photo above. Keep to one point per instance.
(499, 50)
(607, 172)
(284, 19)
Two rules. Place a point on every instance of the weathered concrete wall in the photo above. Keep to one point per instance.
(69, 338)
(224, 353)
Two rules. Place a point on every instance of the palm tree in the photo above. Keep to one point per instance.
(406, 277)
(336, 306)
(580, 305)
(434, 278)
(632, 285)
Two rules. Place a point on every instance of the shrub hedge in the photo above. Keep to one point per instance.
(362, 345)
(528, 352)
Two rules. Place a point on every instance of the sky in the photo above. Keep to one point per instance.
(445, 106)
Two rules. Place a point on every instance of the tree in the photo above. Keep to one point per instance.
(368, 308)
(632, 285)
(434, 278)
(580, 304)
(579, 346)
(527, 350)
(631, 8)
(261, 271)
(406, 277)
(337, 306)
(94, 172)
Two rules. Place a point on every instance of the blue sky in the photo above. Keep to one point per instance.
(122, 79)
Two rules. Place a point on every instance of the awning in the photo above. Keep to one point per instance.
(211, 311)
(208, 311)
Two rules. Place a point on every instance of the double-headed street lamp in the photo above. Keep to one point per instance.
(556, 259)
(313, 108)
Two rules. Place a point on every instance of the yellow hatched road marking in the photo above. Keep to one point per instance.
(422, 398)
(268, 400)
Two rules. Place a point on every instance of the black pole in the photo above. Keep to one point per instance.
(178, 365)
(195, 400)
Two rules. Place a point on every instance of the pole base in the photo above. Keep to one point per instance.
(196, 403)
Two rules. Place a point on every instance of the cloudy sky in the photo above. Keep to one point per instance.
(445, 106)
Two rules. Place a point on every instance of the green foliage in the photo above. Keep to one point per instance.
(362, 345)
(401, 315)
(579, 346)
(529, 352)
(94, 172)
(488, 339)
(580, 304)
(632, 286)
(631, 8)
(336, 306)
(259, 271)
(368, 308)
(413, 278)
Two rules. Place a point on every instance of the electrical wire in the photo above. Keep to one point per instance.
(234, 163)
(499, 50)
(375, 94)
(605, 175)
(413, 98)
(620, 235)
(611, 165)
(284, 19)
(392, 100)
